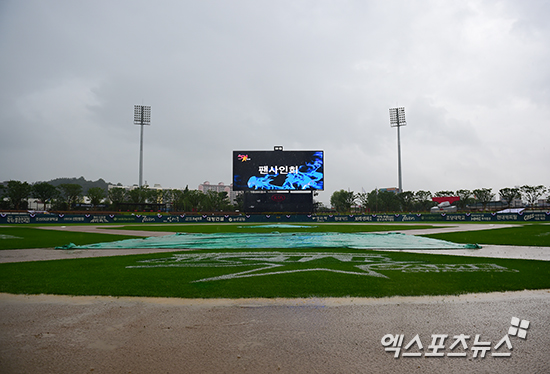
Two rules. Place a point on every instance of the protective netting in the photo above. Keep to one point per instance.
(281, 240)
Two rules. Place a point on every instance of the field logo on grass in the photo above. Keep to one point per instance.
(459, 346)
(5, 236)
(272, 263)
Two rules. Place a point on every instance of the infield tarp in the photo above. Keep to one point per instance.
(280, 240)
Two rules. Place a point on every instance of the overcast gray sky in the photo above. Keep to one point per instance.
(473, 77)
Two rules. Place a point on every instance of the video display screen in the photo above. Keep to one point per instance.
(278, 170)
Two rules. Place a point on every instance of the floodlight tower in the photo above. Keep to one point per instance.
(142, 116)
(397, 119)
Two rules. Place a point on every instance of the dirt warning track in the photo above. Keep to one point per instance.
(60, 334)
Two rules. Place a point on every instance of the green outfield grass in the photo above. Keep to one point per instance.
(537, 235)
(311, 272)
(21, 237)
(126, 276)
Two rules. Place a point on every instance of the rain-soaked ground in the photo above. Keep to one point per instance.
(59, 334)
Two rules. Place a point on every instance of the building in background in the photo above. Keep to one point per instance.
(220, 187)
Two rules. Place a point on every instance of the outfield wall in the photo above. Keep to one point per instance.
(10, 218)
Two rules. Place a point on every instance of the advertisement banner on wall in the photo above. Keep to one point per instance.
(20, 218)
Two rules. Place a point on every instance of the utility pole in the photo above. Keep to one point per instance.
(397, 119)
(142, 116)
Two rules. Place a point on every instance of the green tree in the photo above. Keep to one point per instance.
(532, 193)
(465, 198)
(194, 200)
(207, 202)
(138, 195)
(225, 204)
(342, 200)
(156, 196)
(509, 194)
(484, 196)
(214, 201)
(423, 200)
(71, 193)
(388, 201)
(96, 195)
(406, 199)
(363, 200)
(179, 200)
(167, 197)
(45, 192)
(2, 195)
(160, 197)
(372, 200)
(318, 206)
(116, 196)
(17, 193)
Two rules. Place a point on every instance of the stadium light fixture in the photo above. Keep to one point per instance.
(397, 119)
(142, 116)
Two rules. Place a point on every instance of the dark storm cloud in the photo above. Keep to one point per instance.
(220, 76)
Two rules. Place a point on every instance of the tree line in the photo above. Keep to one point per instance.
(70, 196)
(421, 201)
(177, 200)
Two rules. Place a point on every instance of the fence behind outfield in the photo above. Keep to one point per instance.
(40, 218)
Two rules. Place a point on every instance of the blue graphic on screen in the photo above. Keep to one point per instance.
(307, 176)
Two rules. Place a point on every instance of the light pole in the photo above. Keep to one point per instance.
(397, 119)
(142, 116)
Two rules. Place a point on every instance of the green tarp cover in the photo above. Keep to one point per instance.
(281, 240)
